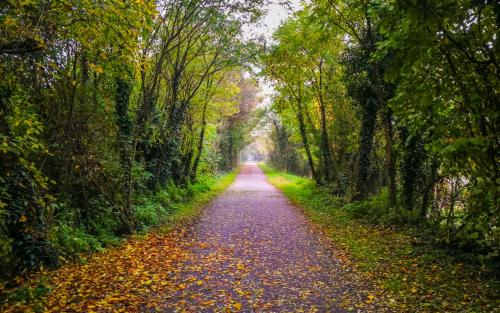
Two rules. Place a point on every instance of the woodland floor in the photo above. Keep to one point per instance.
(249, 251)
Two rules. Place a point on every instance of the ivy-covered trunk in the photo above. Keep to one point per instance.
(367, 131)
(125, 143)
(201, 138)
(326, 152)
(305, 142)
(412, 164)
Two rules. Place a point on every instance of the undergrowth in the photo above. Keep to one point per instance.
(163, 210)
(414, 274)
(164, 206)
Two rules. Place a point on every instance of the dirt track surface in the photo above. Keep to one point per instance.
(252, 251)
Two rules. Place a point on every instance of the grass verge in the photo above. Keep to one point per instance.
(187, 210)
(414, 275)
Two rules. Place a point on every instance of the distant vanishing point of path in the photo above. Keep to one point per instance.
(252, 251)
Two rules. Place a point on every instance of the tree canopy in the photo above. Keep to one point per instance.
(397, 101)
(103, 103)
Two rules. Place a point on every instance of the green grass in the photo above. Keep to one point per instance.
(198, 196)
(414, 275)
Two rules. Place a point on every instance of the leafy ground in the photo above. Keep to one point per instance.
(249, 251)
(416, 276)
(123, 278)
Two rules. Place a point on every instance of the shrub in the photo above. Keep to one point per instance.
(147, 214)
(74, 240)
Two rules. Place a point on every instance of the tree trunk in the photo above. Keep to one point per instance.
(200, 143)
(390, 164)
(365, 148)
(123, 90)
(305, 141)
(411, 171)
(326, 152)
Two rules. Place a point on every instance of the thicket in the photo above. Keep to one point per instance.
(109, 113)
(394, 106)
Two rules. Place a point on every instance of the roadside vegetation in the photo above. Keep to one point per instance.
(163, 217)
(391, 108)
(414, 275)
(111, 115)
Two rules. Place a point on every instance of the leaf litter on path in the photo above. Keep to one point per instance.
(250, 251)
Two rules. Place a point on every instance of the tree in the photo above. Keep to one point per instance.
(365, 76)
(447, 97)
(97, 101)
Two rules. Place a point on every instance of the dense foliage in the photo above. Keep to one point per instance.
(109, 111)
(395, 101)
(414, 276)
(114, 112)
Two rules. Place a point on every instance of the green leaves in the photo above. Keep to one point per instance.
(107, 100)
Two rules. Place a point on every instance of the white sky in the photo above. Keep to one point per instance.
(276, 14)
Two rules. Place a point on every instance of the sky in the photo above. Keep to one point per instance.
(276, 14)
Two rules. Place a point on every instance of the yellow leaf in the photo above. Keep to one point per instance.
(209, 302)
(237, 305)
(111, 299)
(9, 21)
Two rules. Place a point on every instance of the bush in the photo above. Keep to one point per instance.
(201, 185)
(164, 198)
(176, 193)
(74, 240)
(71, 239)
(376, 209)
(147, 214)
(153, 209)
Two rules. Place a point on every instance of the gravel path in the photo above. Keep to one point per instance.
(252, 251)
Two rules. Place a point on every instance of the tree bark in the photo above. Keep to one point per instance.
(305, 141)
(390, 164)
(200, 143)
(365, 148)
(326, 152)
(123, 90)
